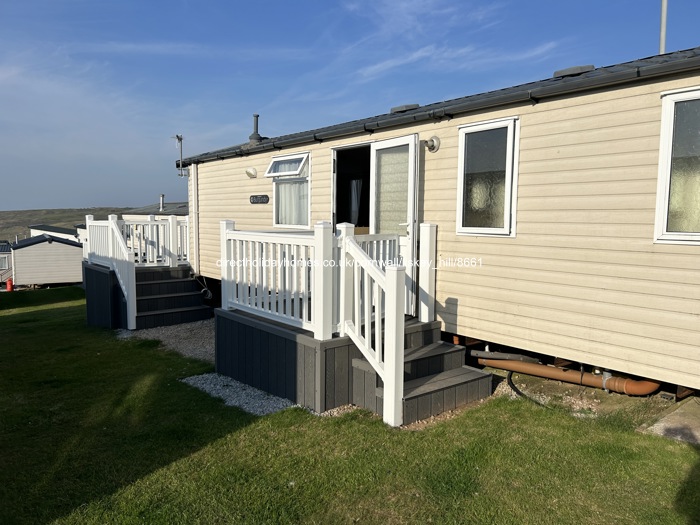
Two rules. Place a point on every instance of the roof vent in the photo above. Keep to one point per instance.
(573, 71)
(255, 137)
(404, 108)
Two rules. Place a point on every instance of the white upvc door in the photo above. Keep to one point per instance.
(393, 170)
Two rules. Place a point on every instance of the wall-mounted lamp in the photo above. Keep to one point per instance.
(251, 172)
(433, 144)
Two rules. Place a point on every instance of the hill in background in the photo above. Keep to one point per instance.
(17, 222)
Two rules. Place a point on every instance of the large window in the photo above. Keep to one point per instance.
(290, 175)
(485, 200)
(678, 196)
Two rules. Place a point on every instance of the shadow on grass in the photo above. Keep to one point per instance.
(28, 298)
(83, 414)
(688, 497)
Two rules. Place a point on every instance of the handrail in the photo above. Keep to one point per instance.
(371, 314)
(106, 245)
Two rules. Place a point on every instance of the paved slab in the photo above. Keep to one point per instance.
(681, 423)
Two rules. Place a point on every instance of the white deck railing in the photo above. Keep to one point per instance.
(281, 276)
(107, 247)
(123, 245)
(352, 285)
(372, 296)
(157, 242)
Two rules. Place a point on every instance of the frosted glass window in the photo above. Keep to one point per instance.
(684, 183)
(291, 186)
(392, 189)
(486, 178)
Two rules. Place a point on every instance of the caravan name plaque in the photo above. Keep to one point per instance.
(259, 199)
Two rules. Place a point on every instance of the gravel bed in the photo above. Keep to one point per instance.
(189, 339)
(239, 395)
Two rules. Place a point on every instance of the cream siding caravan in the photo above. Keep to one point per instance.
(567, 210)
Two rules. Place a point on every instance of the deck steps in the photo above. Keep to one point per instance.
(436, 379)
(167, 296)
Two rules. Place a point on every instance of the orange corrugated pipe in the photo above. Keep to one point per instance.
(631, 387)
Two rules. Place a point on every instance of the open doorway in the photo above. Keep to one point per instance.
(375, 189)
(352, 187)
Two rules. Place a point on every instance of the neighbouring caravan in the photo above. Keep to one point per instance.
(45, 259)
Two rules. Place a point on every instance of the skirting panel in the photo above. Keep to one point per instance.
(105, 303)
(284, 361)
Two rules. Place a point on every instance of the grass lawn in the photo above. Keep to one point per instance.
(99, 430)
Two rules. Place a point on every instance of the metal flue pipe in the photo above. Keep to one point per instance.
(631, 387)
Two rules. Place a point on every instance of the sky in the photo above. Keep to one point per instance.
(92, 92)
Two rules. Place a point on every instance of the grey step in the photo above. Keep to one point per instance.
(423, 397)
(161, 274)
(170, 301)
(424, 361)
(418, 333)
(168, 286)
(431, 396)
(432, 359)
(172, 316)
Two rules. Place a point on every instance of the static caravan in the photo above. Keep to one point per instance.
(5, 261)
(559, 217)
(45, 259)
(70, 234)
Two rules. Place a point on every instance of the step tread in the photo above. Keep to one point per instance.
(174, 310)
(430, 350)
(167, 295)
(425, 385)
(178, 280)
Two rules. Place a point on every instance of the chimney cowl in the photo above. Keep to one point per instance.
(161, 206)
(255, 137)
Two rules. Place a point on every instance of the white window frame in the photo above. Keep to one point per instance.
(668, 107)
(286, 158)
(512, 155)
(6, 260)
(290, 176)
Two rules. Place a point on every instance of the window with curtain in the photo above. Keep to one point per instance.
(678, 199)
(486, 178)
(290, 175)
(3, 263)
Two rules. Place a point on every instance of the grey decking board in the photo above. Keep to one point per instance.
(452, 377)
(329, 378)
(431, 349)
(449, 398)
(309, 376)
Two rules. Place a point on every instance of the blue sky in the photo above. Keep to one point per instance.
(92, 91)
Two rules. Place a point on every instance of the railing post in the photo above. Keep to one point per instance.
(110, 243)
(86, 245)
(426, 272)
(393, 345)
(322, 291)
(186, 242)
(226, 281)
(173, 240)
(346, 231)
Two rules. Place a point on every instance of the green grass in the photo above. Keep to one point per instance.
(98, 430)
